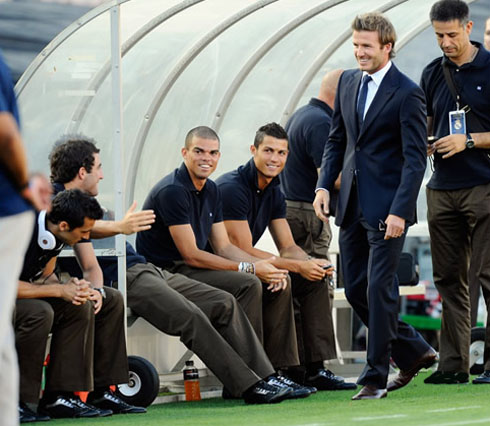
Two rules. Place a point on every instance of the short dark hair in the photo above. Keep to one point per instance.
(449, 10)
(200, 132)
(375, 21)
(73, 206)
(69, 154)
(271, 129)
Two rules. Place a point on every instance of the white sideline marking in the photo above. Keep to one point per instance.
(464, 422)
(394, 416)
(444, 410)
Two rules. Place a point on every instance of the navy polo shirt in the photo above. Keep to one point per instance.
(176, 201)
(243, 200)
(308, 130)
(469, 167)
(108, 264)
(11, 202)
(36, 258)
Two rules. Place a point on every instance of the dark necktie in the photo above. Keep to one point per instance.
(361, 104)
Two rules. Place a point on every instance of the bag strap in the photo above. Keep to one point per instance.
(451, 85)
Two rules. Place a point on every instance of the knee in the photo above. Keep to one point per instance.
(253, 286)
(114, 300)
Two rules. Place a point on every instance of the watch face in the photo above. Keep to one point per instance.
(470, 143)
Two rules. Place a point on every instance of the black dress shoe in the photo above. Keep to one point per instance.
(447, 378)
(263, 393)
(102, 413)
(404, 376)
(483, 378)
(65, 407)
(297, 391)
(326, 380)
(108, 400)
(26, 415)
(370, 392)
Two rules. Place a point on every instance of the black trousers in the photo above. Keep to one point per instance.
(369, 264)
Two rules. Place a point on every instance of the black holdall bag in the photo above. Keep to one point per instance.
(407, 270)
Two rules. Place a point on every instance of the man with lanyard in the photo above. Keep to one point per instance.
(209, 321)
(458, 193)
(252, 202)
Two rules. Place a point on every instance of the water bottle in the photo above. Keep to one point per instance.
(191, 382)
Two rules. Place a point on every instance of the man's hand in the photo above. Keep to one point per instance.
(430, 149)
(96, 297)
(312, 269)
(75, 291)
(450, 145)
(395, 226)
(136, 221)
(320, 204)
(269, 274)
(39, 191)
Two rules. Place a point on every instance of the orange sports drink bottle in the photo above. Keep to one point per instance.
(191, 382)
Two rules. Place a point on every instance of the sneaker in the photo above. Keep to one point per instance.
(298, 391)
(78, 402)
(447, 378)
(326, 380)
(63, 407)
(110, 401)
(483, 378)
(26, 415)
(263, 393)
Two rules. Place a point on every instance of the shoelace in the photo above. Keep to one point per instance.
(110, 396)
(288, 382)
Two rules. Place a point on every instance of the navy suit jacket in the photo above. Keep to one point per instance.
(388, 153)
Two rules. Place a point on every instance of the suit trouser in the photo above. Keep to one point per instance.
(369, 265)
(15, 232)
(85, 350)
(275, 321)
(314, 326)
(459, 226)
(210, 322)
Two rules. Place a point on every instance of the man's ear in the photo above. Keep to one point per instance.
(253, 150)
(82, 172)
(184, 152)
(63, 226)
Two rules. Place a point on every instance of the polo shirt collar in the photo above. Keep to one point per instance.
(249, 171)
(185, 179)
(480, 60)
(317, 102)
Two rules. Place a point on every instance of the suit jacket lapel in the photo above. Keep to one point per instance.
(385, 91)
(351, 108)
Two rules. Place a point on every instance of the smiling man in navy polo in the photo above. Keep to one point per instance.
(252, 202)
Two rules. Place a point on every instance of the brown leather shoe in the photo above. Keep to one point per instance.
(370, 392)
(404, 376)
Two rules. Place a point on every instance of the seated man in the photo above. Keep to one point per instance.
(188, 219)
(209, 321)
(86, 322)
(253, 201)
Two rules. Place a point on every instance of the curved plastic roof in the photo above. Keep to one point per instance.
(230, 64)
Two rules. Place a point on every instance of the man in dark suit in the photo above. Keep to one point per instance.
(378, 141)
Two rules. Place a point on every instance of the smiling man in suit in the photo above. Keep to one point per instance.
(378, 141)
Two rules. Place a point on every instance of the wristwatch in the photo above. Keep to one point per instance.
(101, 291)
(470, 143)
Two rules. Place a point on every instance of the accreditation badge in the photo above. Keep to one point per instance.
(457, 122)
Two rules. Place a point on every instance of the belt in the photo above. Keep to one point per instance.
(300, 205)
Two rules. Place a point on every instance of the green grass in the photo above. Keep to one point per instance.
(416, 404)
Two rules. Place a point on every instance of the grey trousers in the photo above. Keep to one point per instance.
(86, 349)
(210, 322)
(459, 226)
(314, 325)
(15, 233)
(271, 314)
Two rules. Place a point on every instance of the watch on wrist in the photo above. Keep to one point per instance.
(101, 291)
(470, 143)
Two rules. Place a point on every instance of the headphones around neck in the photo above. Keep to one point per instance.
(45, 239)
